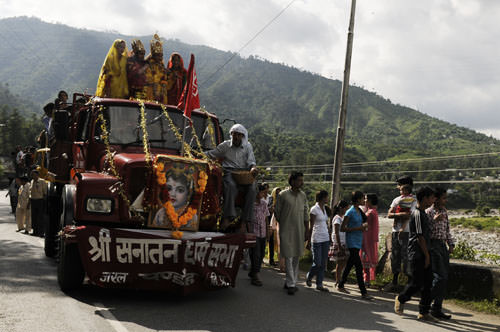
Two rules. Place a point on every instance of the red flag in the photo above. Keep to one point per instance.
(190, 99)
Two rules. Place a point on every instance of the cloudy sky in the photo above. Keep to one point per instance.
(439, 57)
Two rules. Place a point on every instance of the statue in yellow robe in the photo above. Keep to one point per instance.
(156, 74)
(112, 81)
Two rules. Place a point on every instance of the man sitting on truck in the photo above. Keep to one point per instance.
(237, 155)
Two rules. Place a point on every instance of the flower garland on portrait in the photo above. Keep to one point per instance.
(179, 219)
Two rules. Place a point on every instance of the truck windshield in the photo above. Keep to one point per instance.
(125, 129)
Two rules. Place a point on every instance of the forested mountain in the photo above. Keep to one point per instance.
(19, 124)
(291, 114)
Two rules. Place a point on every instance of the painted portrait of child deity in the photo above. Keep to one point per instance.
(178, 195)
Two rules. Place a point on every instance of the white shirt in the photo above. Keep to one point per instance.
(320, 227)
(19, 157)
(407, 202)
(337, 220)
(235, 157)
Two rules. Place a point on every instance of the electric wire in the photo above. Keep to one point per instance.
(248, 42)
(380, 162)
(478, 169)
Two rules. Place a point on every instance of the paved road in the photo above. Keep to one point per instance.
(30, 300)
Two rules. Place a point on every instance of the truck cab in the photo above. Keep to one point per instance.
(101, 163)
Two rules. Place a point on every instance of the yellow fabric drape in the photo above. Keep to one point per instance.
(112, 81)
(156, 81)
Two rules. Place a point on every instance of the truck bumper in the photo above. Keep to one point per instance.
(151, 259)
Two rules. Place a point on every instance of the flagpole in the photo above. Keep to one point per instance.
(183, 136)
(339, 145)
(185, 107)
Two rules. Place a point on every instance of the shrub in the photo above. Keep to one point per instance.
(464, 251)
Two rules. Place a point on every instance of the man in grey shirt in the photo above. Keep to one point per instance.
(237, 155)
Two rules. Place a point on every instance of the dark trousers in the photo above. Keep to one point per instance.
(13, 203)
(231, 190)
(440, 259)
(37, 216)
(257, 253)
(355, 261)
(271, 247)
(420, 279)
(399, 252)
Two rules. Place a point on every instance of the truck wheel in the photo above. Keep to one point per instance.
(70, 273)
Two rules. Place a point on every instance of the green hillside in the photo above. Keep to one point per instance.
(291, 114)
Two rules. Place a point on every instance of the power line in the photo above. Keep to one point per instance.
(370, 163)
(392, 182)
(479, 169)
(248, 42)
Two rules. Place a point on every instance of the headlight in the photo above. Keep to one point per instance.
(99, 205)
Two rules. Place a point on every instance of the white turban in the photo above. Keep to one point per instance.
(238, 128)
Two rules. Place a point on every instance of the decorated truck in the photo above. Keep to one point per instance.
(133, 202)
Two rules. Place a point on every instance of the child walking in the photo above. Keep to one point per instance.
(258, 226)
(339, 252)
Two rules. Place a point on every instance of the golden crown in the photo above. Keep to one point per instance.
(156, 45)
(137, 46)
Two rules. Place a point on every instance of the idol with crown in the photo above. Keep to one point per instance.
(156, 74)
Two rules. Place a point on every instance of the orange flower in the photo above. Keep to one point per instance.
(177, 234)
(160, 167)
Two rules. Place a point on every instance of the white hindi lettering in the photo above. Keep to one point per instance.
(100, 249)
(114, 277)
(200, 252)
(219, 280)
(182, 279)
(147, 250)
(223, 254)
(189, 253)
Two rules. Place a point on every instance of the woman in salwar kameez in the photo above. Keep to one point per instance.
(369, 249)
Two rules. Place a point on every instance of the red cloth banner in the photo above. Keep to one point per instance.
(151, 259)
(190, 98)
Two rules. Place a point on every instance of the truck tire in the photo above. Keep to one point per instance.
(53, 217)
(67, 198)
(70, 272)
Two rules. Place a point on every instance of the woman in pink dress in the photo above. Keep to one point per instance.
(369, 250)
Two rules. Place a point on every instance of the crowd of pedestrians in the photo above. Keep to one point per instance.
(349, 237)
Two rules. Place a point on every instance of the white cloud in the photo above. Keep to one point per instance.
(437, 56)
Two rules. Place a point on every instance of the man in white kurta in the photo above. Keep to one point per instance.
(292, 214)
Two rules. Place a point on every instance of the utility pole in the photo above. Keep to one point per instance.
(339, 144)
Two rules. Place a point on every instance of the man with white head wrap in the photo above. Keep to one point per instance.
(237, 155)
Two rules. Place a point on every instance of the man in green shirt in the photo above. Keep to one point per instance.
(292, 214)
